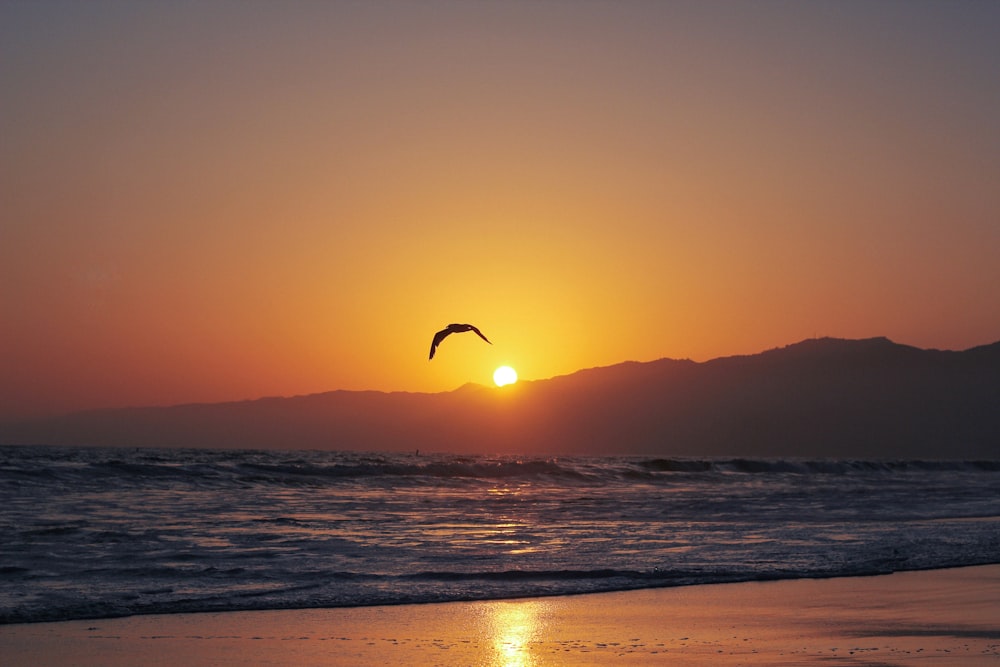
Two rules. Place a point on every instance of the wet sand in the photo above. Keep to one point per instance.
(939, 617)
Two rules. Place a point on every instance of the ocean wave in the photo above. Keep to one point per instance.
(110, 532)
(29, 466)
(813, 467)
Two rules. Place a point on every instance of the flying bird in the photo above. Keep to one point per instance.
(454, 328)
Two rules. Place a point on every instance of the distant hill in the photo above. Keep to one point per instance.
(819, 398)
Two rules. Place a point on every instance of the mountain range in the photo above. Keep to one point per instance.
(820, 398)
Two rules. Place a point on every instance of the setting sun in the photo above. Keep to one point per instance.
(504, 375)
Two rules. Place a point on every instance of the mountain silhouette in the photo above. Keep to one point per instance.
(826, 397)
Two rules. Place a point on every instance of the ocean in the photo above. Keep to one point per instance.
(92, 533)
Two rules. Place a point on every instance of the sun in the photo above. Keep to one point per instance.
(504, 375)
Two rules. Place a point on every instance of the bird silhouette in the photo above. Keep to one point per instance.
(454, 328)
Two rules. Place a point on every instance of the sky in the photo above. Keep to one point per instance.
(213, 201)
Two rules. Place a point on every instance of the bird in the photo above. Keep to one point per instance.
(454, 328)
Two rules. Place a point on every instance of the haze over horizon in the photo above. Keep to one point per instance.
(216, 202)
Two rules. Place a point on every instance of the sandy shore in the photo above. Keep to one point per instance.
(940, 617)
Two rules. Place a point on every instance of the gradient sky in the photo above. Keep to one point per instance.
(206, 201)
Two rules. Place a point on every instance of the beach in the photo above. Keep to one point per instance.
(935, 617)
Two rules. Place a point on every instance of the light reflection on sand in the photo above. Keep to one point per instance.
(511, 628)
(935, 618)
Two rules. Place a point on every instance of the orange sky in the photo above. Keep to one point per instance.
(219, 201)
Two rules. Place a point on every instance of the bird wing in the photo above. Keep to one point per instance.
(438, 337)
(480, 334)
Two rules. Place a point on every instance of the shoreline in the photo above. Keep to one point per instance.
(923, 617)
(511, 598)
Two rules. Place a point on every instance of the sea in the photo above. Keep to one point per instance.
(92, 533)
